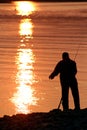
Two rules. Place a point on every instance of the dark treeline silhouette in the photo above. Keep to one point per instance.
(6, 1)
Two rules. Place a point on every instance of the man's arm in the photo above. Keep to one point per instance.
(55, 72)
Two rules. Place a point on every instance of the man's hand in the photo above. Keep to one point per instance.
(51, 76)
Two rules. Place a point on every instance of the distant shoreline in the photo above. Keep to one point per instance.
(8, 1)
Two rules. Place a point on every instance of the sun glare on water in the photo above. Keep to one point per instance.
(26, 30)
(24, 96)
(24, 8)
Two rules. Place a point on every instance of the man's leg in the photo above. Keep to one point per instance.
(75, 93)
(65, 92)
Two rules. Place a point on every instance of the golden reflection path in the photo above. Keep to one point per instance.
(24, 97)
(26, 30)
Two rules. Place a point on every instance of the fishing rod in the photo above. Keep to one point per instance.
(60, 103)
(77, 51)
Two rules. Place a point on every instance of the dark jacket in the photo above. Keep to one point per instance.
(67, 70)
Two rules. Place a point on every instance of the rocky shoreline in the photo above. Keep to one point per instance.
(53, 120)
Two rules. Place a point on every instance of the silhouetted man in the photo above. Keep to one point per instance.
(67, 70)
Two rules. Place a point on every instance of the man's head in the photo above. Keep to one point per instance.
(65, 56)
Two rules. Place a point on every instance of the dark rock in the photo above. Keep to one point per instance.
(53, 120)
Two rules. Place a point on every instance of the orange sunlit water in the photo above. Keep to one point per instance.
(24, 97)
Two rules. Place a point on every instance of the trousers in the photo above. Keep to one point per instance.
(73, 85)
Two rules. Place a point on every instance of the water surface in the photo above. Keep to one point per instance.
(32, 40)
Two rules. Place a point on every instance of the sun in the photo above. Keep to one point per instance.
(25, 7)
